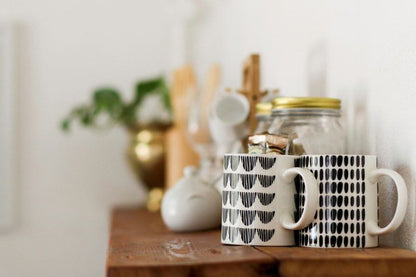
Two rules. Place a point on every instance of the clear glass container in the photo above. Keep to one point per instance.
(263, 124)
(313, 125)
(264, 117)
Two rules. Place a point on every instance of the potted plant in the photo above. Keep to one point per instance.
(146, 117)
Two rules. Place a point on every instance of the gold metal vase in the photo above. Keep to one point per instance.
(146, 157)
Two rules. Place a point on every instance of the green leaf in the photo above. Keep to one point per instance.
(149, 85)
(86, 119)
(166, 98)
(107, 99)
(144, 88)
(128, 115)
(65, 124)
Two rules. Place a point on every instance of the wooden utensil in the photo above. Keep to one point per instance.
(179, 151)
(251, 87)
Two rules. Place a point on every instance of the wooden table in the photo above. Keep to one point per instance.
(141, 245)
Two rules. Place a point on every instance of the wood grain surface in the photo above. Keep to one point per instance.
(141, 245)
(381, 261)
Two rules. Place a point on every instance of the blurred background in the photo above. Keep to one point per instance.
(66, 184)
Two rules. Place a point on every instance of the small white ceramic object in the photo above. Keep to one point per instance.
(228, 116)
(191, 205)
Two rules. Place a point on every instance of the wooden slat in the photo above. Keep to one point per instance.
(297, 261)
(141, 245)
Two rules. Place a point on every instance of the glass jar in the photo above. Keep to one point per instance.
(313, 125)
(264, 117)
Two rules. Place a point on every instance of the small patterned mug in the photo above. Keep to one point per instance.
(347, 216)
(258, 206)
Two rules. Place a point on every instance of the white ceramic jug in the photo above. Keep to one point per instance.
(191, 205)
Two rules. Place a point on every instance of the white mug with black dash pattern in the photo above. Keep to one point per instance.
(347, 216)
(258, 200)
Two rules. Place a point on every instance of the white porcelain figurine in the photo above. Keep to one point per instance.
(191, 205)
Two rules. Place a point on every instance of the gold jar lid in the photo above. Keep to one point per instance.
(264, 108)
(306, 103)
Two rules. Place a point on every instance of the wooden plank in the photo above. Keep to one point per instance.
(311, 262)
(141, 245)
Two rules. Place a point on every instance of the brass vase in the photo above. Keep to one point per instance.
(146, 156)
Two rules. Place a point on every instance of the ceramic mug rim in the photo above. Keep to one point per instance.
(297, 156)
(344, 155)
(261, 155)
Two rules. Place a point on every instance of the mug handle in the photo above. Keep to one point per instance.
(373, 228)
(311, 199)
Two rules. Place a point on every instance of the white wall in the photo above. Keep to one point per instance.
(68, 183)
(363, 52)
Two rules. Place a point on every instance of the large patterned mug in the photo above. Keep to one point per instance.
(347, 216)
(258, 200)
